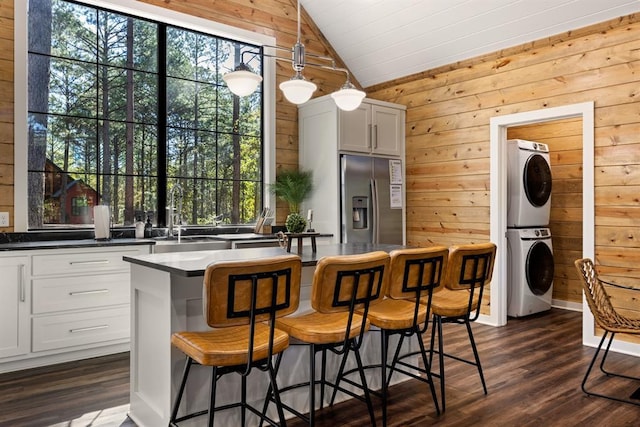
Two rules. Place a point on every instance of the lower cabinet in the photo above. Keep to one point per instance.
(14, 306)
(64, 304)
(68, 330)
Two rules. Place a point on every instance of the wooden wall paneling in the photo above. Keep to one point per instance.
(6, 109)
(449, 109)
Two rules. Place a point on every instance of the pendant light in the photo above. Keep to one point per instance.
(298, 90)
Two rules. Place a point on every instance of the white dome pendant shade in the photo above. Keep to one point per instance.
(298, 90)
(242, 82)
(348, 98)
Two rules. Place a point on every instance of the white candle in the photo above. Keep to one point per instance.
(309, 214)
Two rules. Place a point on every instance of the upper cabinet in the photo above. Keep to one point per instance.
(374, 127)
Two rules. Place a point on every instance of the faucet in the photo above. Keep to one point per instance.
(175, 215)
(217, 220)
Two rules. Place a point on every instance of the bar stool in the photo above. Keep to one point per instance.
(241, 299)
(414, 274)
(469, 269)
(341, 284)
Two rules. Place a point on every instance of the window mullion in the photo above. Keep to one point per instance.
(162, 126)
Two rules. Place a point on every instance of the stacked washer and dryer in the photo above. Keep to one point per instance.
(530, 253)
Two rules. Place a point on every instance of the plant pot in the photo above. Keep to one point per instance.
(295, 223)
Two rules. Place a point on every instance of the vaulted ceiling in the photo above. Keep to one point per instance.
(382, 40)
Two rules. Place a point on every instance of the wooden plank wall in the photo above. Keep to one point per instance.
(448, 139)
(6, 109)
(564, 138)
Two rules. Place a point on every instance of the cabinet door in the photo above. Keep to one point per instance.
(14, 314)
(355, 129)
(388, 130)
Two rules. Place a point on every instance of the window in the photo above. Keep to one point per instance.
(122, 109)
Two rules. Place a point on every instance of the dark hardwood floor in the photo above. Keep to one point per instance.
(533, 368)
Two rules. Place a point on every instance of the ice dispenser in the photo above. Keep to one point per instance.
(360, 206)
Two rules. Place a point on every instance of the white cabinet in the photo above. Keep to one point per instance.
(14, 308)
(372, 128)
(80, 297)
(64, 304)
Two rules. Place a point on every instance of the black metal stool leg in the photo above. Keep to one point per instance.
(276, 392)
(384, 344)
(427, 368)
(183, 383)
(367, 395)
(212, 396)
(441, 361)
(243, 401)
(475, 354)
(312, 384)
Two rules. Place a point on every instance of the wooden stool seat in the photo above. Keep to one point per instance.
(320, 328)
(450, 303)
(228, 346)
(394, 314)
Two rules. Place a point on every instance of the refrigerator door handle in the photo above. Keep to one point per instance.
(375, 211)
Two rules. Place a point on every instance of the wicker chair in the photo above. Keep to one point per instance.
(607, 318)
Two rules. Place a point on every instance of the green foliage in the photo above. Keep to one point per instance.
(295, 223)
(293, 187)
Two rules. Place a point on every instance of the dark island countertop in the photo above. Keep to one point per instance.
(191, 264)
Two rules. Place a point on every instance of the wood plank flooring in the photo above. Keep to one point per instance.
(533, 368)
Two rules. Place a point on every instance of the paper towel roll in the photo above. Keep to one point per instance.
(102, 221)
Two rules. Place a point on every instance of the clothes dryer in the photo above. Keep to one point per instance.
(530, 271)
(528, 184)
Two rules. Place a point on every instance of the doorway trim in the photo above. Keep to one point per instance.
(498, 199)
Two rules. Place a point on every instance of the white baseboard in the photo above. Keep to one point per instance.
(567, 305)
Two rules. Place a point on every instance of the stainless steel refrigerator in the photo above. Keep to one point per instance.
(371, 200)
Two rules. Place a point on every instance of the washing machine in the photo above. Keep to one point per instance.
(530, 271)
(528, 184)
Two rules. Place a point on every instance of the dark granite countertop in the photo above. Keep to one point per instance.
(77, 243)
(190, 264)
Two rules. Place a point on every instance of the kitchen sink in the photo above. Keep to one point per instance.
(188, 243)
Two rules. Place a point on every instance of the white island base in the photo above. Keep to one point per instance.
(167, 297)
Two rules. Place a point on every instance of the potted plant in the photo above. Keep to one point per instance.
(293, 187)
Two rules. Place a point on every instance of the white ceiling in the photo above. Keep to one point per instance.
(381, 40)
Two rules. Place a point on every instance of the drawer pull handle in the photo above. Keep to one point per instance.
(22, 283)
(97, 291)
(97, 261)
(89, 328)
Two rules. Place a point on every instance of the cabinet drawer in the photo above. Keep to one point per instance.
(81, 262)
(79, 292)
(75, 329)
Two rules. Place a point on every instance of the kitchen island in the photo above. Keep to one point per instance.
(166, 296)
